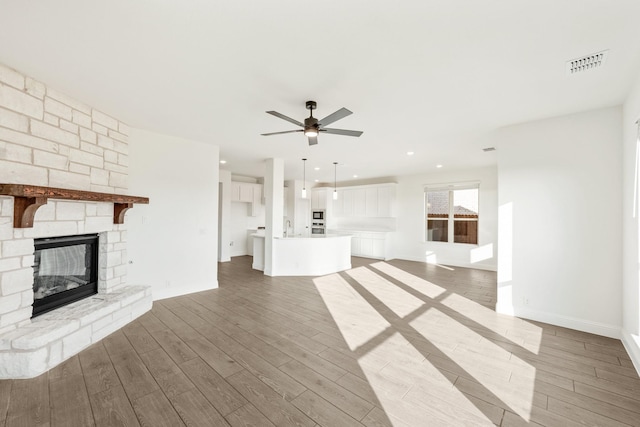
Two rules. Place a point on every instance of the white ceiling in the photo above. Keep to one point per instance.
(433, 77)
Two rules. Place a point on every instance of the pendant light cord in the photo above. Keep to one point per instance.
(304, 174)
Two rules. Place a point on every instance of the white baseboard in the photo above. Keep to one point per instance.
(632, 345)
(479, 265)
(176, 291)
(606, 330)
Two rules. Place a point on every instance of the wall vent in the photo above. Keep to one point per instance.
(487, 149)
(586, 63)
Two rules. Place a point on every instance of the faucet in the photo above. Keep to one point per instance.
(287, 226)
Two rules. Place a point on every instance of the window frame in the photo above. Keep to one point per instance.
(450, 188)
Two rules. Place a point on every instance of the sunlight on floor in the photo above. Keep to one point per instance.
(413, 338)
(430, 257)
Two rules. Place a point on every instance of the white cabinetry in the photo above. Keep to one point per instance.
(371, 202)
(248, 193)
(322, 198)
(235, 191)
(386, 201)
(360, 202)
(371, 244)
(366, 201)
(319, 198)
(348, 197)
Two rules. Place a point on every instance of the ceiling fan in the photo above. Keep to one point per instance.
(313, 126)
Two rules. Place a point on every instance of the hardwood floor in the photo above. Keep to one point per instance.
(393, 343)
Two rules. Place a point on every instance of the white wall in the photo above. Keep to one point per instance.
(174, 243)
(560, 207)
(630, 228)
(241, 222)
(224, 216)
(409, 239)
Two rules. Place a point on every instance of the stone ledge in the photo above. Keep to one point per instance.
(34, 348)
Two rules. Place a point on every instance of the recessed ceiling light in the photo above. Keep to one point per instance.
(410, 153)
(317, 180)
(316, 168)
(438, 166)
(355, 176)
(222, 162)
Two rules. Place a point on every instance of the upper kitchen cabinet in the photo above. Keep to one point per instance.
(249, 193)
(387, 201)
(319, 198)
(366, 201)
(241, 192)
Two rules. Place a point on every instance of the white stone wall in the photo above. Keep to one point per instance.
(50, 139)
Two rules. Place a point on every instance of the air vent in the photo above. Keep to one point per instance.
(487, 149)
(586, 63)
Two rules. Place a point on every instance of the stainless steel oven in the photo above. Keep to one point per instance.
(318, 223)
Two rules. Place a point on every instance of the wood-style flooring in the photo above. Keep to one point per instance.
(393, 343)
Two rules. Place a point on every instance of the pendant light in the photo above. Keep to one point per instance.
(304, 178)
(335, 190)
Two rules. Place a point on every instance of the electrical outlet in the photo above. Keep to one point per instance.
(525, 300)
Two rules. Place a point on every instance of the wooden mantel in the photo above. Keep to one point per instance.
(28, 198)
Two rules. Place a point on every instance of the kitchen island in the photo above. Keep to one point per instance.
(308, 256)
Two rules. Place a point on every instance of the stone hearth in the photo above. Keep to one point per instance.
(29, 347)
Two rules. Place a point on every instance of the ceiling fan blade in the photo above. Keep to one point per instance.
(313, 140)
(340, 114)
(283, 117)
(342, 132)
(279, 133)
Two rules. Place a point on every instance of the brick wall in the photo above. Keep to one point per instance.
(50, 139)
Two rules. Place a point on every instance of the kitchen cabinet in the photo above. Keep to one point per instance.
(235, 191)
(370, 244)
(371, 202)
(242, 191)
(247, 192)
(348, 196)
(386, 202)
(319, 197)
(322, 199)
(366, 201)
(360, 202)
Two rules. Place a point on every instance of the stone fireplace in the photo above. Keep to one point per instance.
(65, 270)
(49, 139)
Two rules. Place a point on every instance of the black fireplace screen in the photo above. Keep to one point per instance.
(65, 270)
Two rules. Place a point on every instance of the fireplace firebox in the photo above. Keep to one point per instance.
(65, 270)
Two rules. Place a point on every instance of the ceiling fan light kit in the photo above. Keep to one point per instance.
(312, 126)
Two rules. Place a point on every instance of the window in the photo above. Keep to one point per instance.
(452, 214)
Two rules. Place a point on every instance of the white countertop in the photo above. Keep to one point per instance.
(363, 230)
(317, 236)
